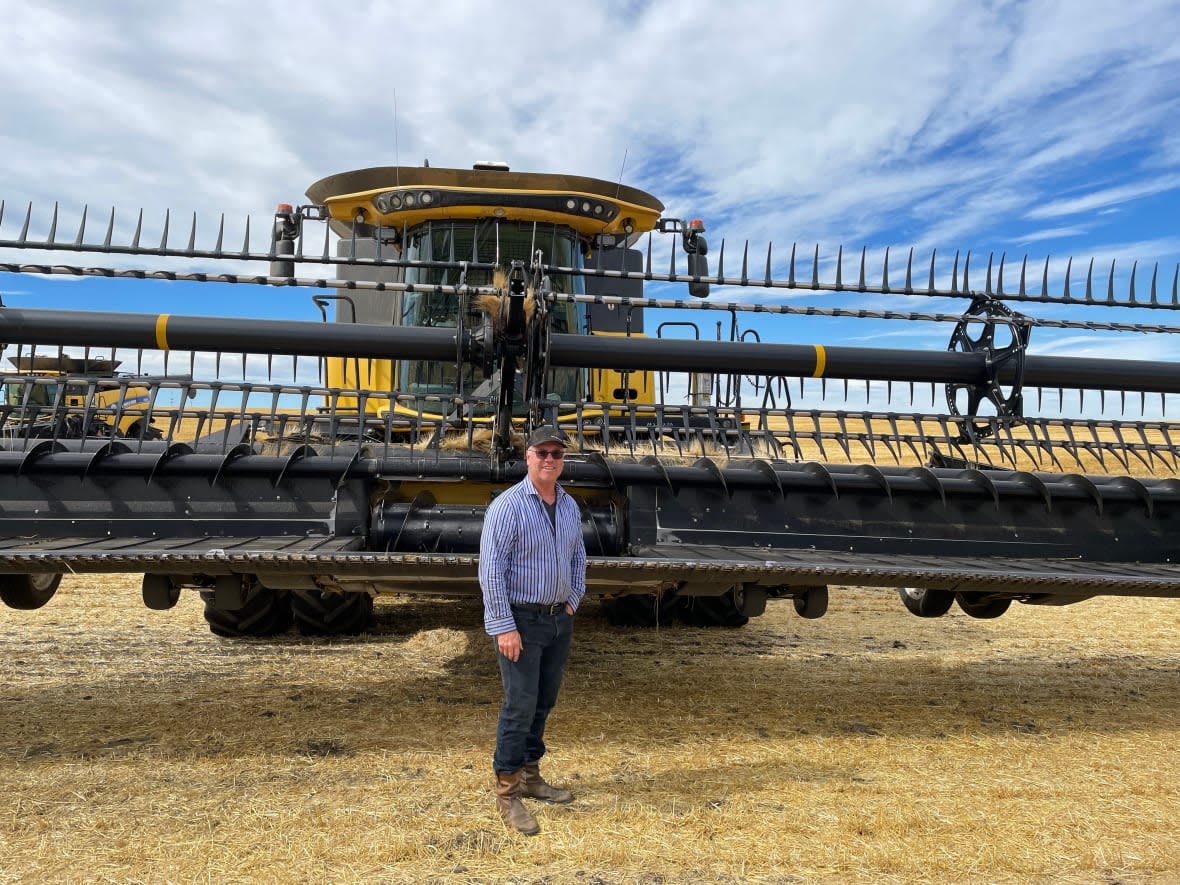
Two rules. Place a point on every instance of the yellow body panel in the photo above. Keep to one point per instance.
(363, 374)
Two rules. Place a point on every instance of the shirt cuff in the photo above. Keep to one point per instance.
(499, 626)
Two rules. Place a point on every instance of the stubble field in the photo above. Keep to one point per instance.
(869, 746)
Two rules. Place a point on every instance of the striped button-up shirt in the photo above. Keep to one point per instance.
(523, 559)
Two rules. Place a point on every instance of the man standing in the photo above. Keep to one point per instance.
(532, 568)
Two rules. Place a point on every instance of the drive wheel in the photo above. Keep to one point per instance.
(925, 602)
(265, 612)
(715, 611)
(644, 609)
(331, 613)
(980, 605)
(28, 592)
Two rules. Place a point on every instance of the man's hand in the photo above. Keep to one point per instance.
(510, 645)
(569, 610)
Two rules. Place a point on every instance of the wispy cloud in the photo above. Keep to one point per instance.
(1049, 233)
(1105, 198)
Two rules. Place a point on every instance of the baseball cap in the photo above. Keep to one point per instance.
(547, 433)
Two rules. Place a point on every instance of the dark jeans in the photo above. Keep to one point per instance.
(530, 684)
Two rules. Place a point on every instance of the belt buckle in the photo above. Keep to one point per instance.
(555, 608)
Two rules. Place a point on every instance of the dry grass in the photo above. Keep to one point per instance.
(869, 746)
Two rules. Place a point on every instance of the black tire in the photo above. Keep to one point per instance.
(158, 592)
(144, 431)
(643, 609)
(715, 611)
(327, 613)
(266, 613)
(813, 603)
(750, 601)
(982, 606)
(27, 592)
(926, 602)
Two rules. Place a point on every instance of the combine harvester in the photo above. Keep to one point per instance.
(304, 467)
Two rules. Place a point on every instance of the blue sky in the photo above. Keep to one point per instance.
(1046, 128)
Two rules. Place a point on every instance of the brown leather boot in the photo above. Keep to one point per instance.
(516, 816)
(534, 786)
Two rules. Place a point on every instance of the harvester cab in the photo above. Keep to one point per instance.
(714, 472)
(515, 242)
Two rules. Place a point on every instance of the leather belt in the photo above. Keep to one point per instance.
(545, 608)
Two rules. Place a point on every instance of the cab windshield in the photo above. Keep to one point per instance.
(29, 394)
(485, 242)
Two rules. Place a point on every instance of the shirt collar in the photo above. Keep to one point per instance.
(532, 489)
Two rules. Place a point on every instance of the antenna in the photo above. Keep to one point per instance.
(622, 166)
(396, 161)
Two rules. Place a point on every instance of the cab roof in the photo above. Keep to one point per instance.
(405, 196)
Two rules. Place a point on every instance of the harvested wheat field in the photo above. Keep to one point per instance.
(869, 746)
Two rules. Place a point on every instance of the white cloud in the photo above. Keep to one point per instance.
(1050, 233)
(1105, 198)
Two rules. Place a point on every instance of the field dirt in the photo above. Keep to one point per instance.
(869, 746)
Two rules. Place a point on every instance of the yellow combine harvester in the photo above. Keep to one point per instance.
(93, 399)
(473, 305)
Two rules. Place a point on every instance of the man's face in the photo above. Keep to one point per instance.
(545, 462)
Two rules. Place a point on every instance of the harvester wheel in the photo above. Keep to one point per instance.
(812, 603)
(750, 601)
(925, 602)
(644, 609)
(331, 613)
(28, 592)
(264, 612)
(144, 431)
(159, 593)
(715, 611)
(981, 605)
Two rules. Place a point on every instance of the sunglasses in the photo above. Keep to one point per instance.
(555, 454)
